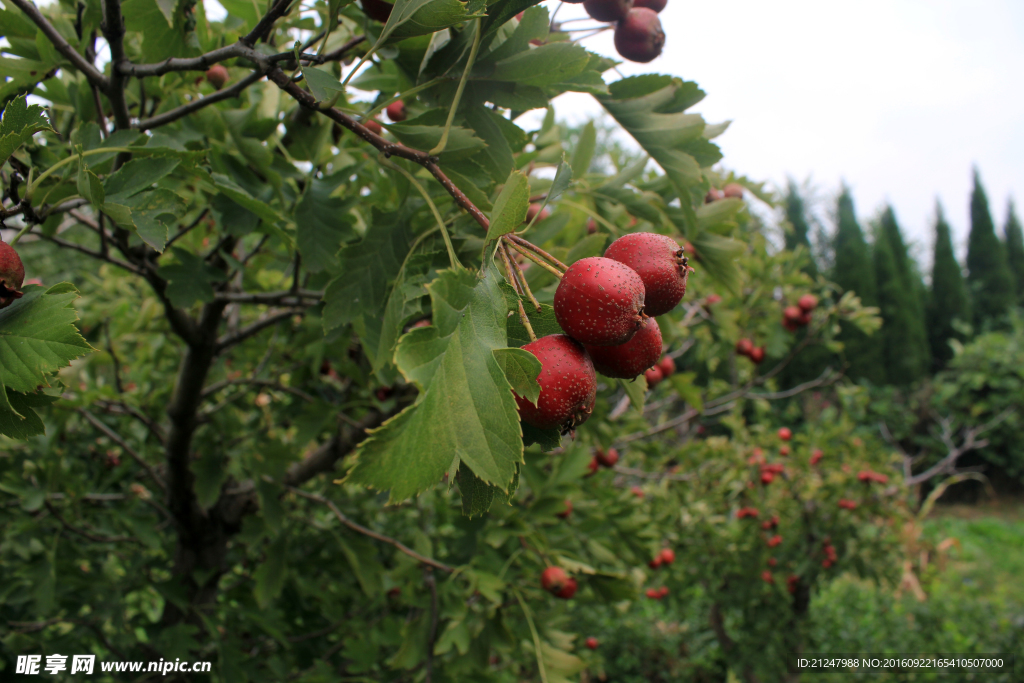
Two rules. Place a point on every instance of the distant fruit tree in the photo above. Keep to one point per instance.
(370, 398)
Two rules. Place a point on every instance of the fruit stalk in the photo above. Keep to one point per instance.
(523, 318)
(523, 284)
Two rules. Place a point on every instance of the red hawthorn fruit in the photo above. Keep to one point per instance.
(713, 195)
(639, 36)
(783, 451)
(663, 591)
(607, 458)
(636, 491)
(568, 384)
(774, 541)
(519, 17)
(667, 365)
(534, 209)
(772, 562)
(384, 393)
(804, 320)
(607, 10)
(770, 523)
(653, 593)
(592, 643)
(785, 433)
(816, 456)
(867, 476)
(733, 191)
(767, 576)
(34, 281)
(744, 347)
(668, 556)
(826, 563)
(713, 299)
(655, 563)
(593, 467)
(758, 453)
(807, 303)
(628, 360)
(653, 376)
(12, 275)
(774, 468)
(747, 512)
(553, 579)
(426, 322)
(847, 504)
(792, 313)
(591, 226)
(757, 355)
(767, 478)
(600, 302)
(396, 111)
(791, 583)
(656, 5)
(564, 514)
(568, 590)
(661, 264)
(217, 76)
(378, 10)
(374, 126)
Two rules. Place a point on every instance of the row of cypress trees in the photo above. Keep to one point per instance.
(918, 320)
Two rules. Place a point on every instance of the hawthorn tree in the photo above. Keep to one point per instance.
(294, 447)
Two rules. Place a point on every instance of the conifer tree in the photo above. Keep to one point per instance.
(947, 299)
(796, 214)
(1015, 250)
(853, 271)
(989, 281)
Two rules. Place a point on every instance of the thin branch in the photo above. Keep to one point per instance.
(117, 362)
(217, 386)
(372, 534)
(116, 438)
(181, 233)
(85, 534)
(263, 323)
(970, 442)
(428, 578)
(196, 105)
(122, 408)
(279, 9)
(200, 63)
(829, 376)
(89, 252)
(62, 46)
(268, 297)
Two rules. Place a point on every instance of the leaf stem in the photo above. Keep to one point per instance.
(458, 92)
(533, 632)
(538, 260)
(523, 284)
(28, 226)
(433, 209)
(64, 162)
(523, 318)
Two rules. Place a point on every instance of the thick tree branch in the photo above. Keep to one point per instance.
(263, 28)
(113, 31)
(970, 442)
(62, 46)
(196, 105)
(200, 63)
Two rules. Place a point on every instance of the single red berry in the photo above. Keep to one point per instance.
(639, 36)
(826, 563)
(217, 76)
(668, 556)
(12, 275)
(396, 111)
(656, 5)
(564, 514)
(667, 365)
(374, 126)
(713, 195)
(744, 347)
(757, 354)
(607, 458)
(653, 376)
(792, 314)
(592, 643)
(747, 512)
(426, 322)
(785, 433)
(637, 491)
(568, 590)
(663, 591)
(767, 576)
(594, 466)
(816, 456)
(712, 299)
(660, 263)
(772, 562)
(591, 226)
(767, 478)
(653, 593)
(774, 541)
(628, 360)
(553, 579)
(600, 302)
(733, 191)
(770, 523)
(807, 303)
(568, 384)
(783, 451)
(847, 504)
(534, 209)
(655, 563)
(607, 10)
(378, 10)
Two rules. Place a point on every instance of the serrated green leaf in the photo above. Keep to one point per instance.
(521, 369)
(421, 17)
(591, 245)
(190, 280)
(159, 40)
(545, 65)
(152, 213)
(461, 141)
(19, 123)
(465, 408)
(510, 207)
(543, 324)
(270, 575)
(324, 86)
(18, 419)
(136, 176)
(323, 223)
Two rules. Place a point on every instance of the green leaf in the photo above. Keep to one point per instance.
(367, 570)
(521, 369)
(584, 152)
(152, 214)
(421, 17)
(545, 65)
(461, 141)
(510, 207)
(404, 302)
(18, 420)
(19, 123)
(190, 279)
(477, 495)
(229, 188)
(591, 245)
(167, 7)
(465, 409)
(90, 186)
(159, 40)
(365, 269)
(718, 257)
(636, 389)
(324, 86)
(323, 223)
(270, 575)
(543, 324)
(497, 156)
(137, 175)
(613, 587)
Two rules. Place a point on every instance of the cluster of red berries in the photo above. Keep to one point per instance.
(657, 593)
(604, 304)
(745, 347)
(771, 470)
(638, 33)
(666, 556)
(747, 512)
(555, 581)
(663, 369)
(795, 317)
(12, 275)
(603, 458)
(730, 191)
(770, 524)
(830, 554)
(867, 476)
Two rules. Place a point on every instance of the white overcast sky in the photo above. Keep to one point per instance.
(899, 98)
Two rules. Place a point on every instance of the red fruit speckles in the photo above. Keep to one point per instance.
(653, 376)
(12, 275)
(667, 365)
(656, 5)
(396, 111)
(774, 541)
(568, 384)
(600, 302)
(592, 643)
(660, 263)
(607, 10)
(607, 458)
(639, 36)
(553, 579)
(628, 360)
